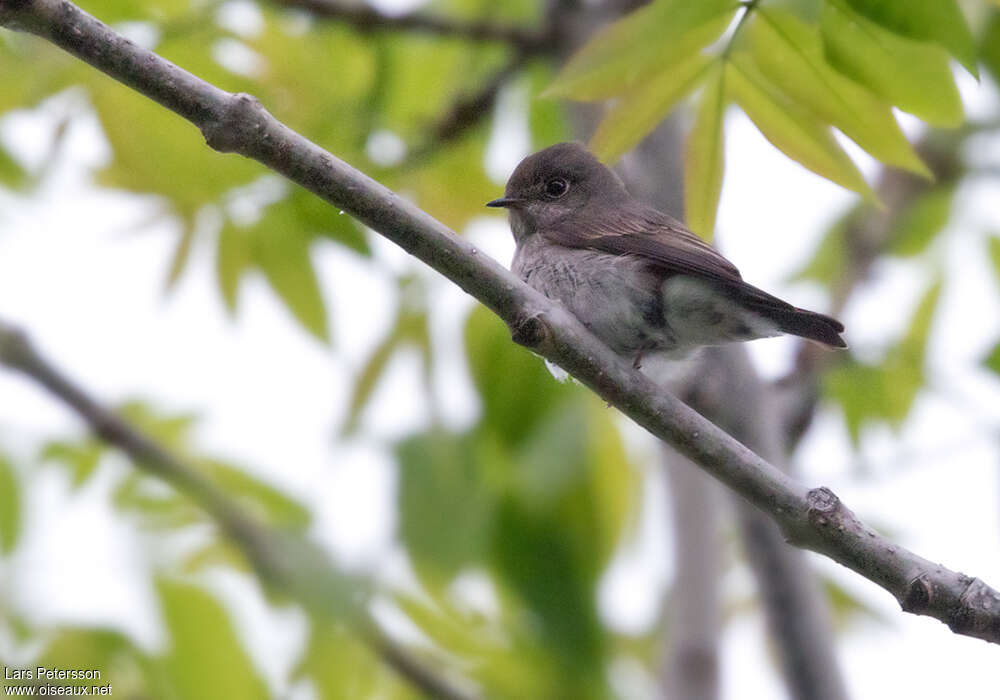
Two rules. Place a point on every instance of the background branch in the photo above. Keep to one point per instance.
(814, 519)
(367, 19)
(283, 560)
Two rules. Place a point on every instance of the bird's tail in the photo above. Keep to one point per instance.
(810, 325)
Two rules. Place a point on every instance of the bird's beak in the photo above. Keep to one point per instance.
(505, 202)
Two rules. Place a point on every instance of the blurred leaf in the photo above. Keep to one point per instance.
(157, 151)
(232, 261)
(639, 111)
(182, 253)
(993, 244)
(919, 223)
(10, 507)
(514, 386)
(114, 11)
(847, 607)
(217, 553)
(540, 564)
(445, 506)
(886, 392)
(547, 120)
(913, 76)
(829, 262)
(262, 500)
(451, 183)
(989, 45)
(790, 53)
(123, 666)
(206, 659)
(12, 173)
(339, 664)
(172, 430)
(156, 505)
(81, 458)
(655, 38)
(703, 158)
(410, 329)
(927, 20)
(319, 218)
(789, 128)
(992, 360)
(281, 251)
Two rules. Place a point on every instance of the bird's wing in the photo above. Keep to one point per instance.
(638, 230)
(665, 242)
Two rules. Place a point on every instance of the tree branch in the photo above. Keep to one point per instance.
(690, 669)
(810, 518)
(730, 391)
(283, 560)
(365, 18)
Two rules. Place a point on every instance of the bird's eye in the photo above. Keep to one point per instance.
(556, 188)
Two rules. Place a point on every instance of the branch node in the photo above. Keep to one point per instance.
(918, 595)
(530, 331)
(237, 126)
(823, 509)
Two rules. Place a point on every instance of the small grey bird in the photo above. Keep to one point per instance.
(638, 278)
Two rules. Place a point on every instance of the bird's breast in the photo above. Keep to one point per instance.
(617, 297)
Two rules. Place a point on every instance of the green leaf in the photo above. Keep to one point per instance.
(318, 218)
(206, 660)
(913, 76)
(340, 665)
(547, 119)
(262, 500)
(919, 223)
(829, 262)
(125, 668)
(790, 53)
(10, 507)
(993, 246)
(927, 20)
(410, 329)
(12, 173)
(445, 504)
(886, 392)
(282, 254)
(81, 458)
(539, 561)
(703, 158)
(992, 360)
(182, 253)
(232, 261)
(644, 106)
(506, 376)
(989, 45)
(157, 151)
(791, 129)
(653, 38)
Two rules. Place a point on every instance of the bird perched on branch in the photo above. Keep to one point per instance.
(638, 278)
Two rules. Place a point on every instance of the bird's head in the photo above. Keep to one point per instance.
(548, 186)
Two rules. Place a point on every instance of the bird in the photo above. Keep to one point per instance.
(638, 278)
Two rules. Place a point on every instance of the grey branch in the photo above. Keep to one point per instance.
(690, 670)
(368, 19)
(810, 518)
(793, 604)
(284, 560)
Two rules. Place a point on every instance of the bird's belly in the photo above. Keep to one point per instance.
(616, 297)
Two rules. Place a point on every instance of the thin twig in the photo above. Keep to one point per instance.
(365, 18)
(810, 518)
